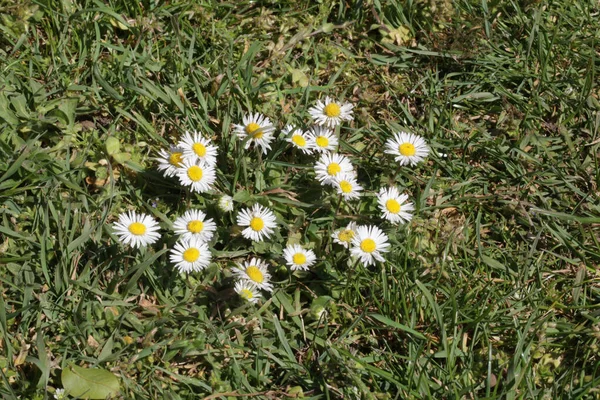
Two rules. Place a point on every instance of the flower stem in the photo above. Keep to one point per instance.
(337, 209)
(396, 174)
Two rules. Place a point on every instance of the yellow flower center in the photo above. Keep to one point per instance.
(346, 235)
(191, 254)
(299, 258)
(199, 149)
(195, 173)
(332, 110)
(246, 294)
(368, 245)
(322, 141)
(407, 149)
(299, 140)
(392, 206)
(345, 186)
(253, 129)
(333, 169)
(195, 226)
(137, 228)
(255, 274)
(176, 159)
(256, 224)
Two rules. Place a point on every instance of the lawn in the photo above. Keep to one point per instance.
(491, 290)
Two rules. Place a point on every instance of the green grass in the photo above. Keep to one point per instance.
(492, 290)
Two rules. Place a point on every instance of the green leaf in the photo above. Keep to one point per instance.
(319, 306)
(480, 96)
(5, 112)
(328, 27)
(89, 383)
(300, 77)
(20, 104)
(121, 158)
(242, 196)
(112, 145)
(105, 85)
(495, 264)
(396, 325)
(68, 107)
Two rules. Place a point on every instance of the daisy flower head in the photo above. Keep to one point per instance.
(407, 147)
(298, 257)
(368, 244)
(193, 224)
(298, 139)
(331, 165)
(330, 112)
(345, 235)
(393, 205)
(255, 272)
(347, 186)
(170, 161)
(226, 203)
(137, 230)
(190, 255)
(199, 177)
(247, 291)
(260, 222)
(198, 148)
(322, 139)
(258, 129)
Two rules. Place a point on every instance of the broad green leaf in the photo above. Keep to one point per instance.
(121, 158)
(89, 383)
(112, 145)
(5, 112)
(20, 104)
(68, 107)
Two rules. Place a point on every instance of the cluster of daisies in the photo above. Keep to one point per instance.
(193, 162)
(191, 252)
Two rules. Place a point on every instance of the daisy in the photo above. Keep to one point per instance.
(407, 147)
(247, 291)
(331, 165)
(198, 148)
(331, 113)
(344, 236)
(138, 230)
(190, 255)
(255, 272)
(193, 224)
(199, 177)
(346, 185)
(260, 221)
(393, 207)
(169, 161)
(322, 139)
(258, 129)
(298, 139)
(298, 257)
(368, 244)
(226, 203)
